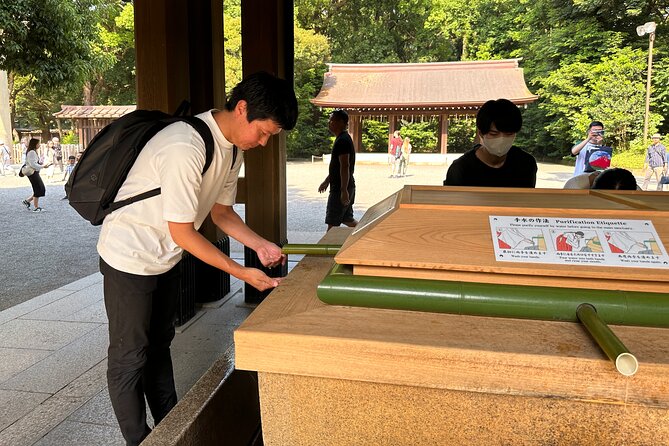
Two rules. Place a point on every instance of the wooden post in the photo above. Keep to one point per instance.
(267, 44)
(355, 130)
(392, 126)
(443, 134)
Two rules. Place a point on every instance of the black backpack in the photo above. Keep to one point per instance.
(104, 166)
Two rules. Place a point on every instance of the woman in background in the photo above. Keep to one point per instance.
(31, 170)
(404, 158)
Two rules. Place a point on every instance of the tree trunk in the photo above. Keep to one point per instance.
(12, 102)
(88, 98)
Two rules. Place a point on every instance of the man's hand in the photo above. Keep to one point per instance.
(345, 199)
(259, 280)
(270, 255)
(324, 186)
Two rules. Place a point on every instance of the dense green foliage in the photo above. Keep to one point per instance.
(582, 57)
(66, 52)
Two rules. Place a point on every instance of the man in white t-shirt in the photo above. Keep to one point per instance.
(141, 244)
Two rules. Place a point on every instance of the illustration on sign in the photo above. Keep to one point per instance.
(528, 239)
(578, 241)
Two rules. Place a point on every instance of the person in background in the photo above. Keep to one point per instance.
(31, 170)
(394, 152)
(496, 162)
(24, 149)
(340, 174)
(71, 162)
(655, 162)
(582, 180)
(5, 159)
(594, 137)
(48, 158)
(615, 179)
(57, 153)
(404, 158)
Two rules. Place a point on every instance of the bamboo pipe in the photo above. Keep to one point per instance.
(626, 363)
(341, 287)
(316, 250)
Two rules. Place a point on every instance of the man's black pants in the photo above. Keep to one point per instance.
(141, 312)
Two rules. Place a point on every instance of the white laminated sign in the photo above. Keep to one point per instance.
(578, 241)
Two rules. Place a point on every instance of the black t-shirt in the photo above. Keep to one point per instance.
(343, 145)
(519, 170)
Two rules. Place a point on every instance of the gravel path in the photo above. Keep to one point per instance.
(43, 251)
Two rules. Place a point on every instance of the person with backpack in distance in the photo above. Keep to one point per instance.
(140, 244)
(31, 170)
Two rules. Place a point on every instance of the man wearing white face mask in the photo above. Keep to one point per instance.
(496, 162)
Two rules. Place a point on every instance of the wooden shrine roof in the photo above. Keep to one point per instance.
(422, 87)
(93, 111)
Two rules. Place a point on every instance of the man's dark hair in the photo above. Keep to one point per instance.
(596, 123)
(615, 179)
(503, 113)
(267, 97)
(340, 115)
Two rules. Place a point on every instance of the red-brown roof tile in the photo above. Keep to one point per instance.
(440, 85)
(93, 111)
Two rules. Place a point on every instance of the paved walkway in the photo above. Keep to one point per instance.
(53, 351)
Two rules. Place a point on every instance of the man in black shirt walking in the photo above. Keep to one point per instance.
(496, 161)
(340, 175)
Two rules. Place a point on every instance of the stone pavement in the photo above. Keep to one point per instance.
(53, 351)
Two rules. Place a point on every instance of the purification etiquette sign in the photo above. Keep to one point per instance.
(578, 241)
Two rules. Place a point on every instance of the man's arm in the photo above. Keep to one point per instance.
(324, 185)
(344, 174)
(227, 219)
(185, 235)
(576, 149)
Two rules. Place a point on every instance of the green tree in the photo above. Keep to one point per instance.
(48, 40)
(360, 31)
(112, 77)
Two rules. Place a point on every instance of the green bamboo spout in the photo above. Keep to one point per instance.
(316, 250)
(626, 363)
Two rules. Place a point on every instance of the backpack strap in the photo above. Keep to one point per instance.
(143, 196)
(203, 129)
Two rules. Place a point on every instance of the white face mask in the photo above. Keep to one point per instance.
(499, 146)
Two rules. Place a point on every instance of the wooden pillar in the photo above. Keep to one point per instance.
(161, 48)
(267, 44)
(442, 138)
(179, 47)
(355, 130)
(392, 126)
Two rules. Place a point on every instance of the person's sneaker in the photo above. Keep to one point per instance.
(38, 210)
(26, 204)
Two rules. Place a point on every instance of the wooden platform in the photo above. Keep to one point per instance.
(333, 375)
(444, 233)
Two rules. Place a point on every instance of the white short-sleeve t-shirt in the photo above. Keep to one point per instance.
(136, 238)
